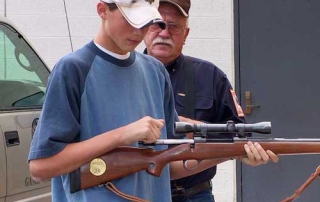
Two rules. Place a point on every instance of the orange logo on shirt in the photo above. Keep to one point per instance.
(236, 103)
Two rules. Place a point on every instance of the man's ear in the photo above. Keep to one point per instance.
(186, 33)
(102, 10)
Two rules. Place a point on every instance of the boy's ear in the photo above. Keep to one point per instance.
(102, 9)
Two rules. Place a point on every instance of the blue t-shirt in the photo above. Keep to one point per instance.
(90, 92)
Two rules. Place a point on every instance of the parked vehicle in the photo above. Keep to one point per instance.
(23, 79)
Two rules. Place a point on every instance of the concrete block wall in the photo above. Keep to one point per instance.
(56, 27)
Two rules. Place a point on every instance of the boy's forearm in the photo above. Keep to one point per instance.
(73, 156)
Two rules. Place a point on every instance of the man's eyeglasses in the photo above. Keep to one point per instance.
(172, 27)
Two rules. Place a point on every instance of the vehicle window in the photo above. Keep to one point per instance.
(23, 76)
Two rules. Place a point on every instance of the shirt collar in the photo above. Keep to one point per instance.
(177, 63)
(172, 66)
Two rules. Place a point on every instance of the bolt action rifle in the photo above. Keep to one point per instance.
(126, 160)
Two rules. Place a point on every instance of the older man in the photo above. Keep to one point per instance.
(214, 100)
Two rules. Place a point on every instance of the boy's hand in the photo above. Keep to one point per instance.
(146, 129)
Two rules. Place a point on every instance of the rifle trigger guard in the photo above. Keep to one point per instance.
(185, 164)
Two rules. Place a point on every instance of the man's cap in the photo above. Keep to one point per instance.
(139, 13)
(182, 5)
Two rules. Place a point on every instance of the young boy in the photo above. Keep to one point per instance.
(103, 96)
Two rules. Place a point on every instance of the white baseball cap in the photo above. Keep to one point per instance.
(139, 13)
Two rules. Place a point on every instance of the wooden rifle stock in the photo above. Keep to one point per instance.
(124, 161)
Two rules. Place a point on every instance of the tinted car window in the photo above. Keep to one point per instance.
(23, 75)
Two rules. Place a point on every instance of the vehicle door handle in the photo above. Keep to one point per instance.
(249, 106)
(12, 138)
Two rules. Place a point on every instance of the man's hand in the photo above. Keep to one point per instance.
(256, 155)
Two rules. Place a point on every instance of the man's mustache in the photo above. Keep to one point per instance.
(163, 41)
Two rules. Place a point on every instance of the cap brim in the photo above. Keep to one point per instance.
(141, 16)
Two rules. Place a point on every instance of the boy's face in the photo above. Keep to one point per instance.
(118, 35)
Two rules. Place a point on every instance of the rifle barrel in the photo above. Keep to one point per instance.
(235, 139)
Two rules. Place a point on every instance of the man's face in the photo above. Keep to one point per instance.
(164, 45)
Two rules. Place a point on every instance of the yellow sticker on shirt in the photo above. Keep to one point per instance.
(236, 103)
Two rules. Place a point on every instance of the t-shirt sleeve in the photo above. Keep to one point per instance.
(59, 122)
